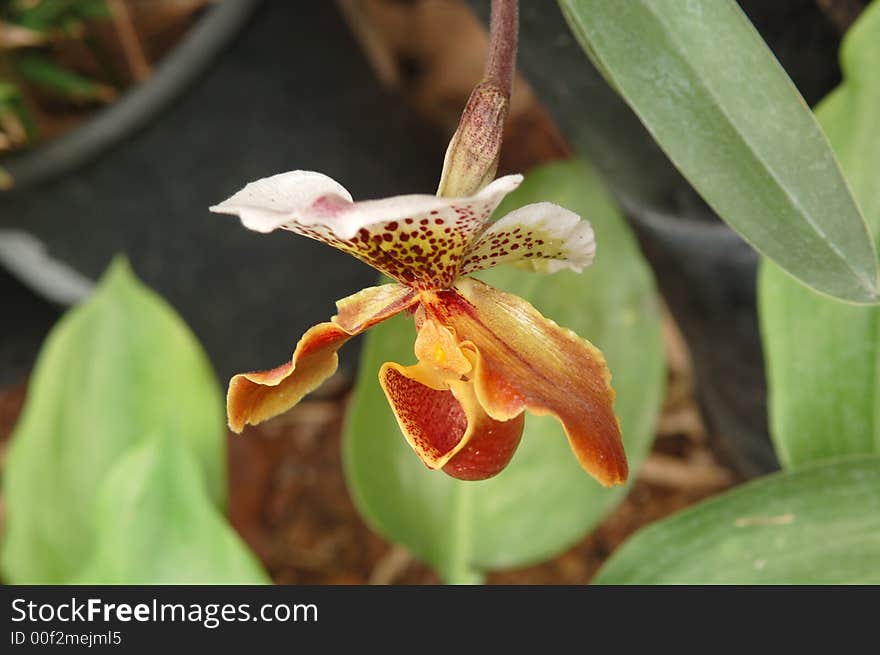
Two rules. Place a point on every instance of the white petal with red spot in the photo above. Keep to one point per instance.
(271, 203)
(542, 237)
(417, 239)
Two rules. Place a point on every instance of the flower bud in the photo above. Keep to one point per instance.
(472, 156)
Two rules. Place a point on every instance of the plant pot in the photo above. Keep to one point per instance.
(240, 98)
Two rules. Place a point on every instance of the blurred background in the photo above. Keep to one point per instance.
(121, 121)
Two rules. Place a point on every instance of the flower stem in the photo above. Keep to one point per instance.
(472, 156)
(503, 30)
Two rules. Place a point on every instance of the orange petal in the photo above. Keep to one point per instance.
(258, 396)
(526, 361)
(447, 428)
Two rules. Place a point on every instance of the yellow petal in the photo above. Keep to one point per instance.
(525, 361)
(258, 396)
(437, 347)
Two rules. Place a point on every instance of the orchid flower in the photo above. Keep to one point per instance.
(484, 357)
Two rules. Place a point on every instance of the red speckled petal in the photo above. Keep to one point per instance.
(417, 239)
(523, 360)
(258, 396)
(447, 428)
(542, 237)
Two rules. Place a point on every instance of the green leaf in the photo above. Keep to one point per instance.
(13, 106)
(819, 525)
(45, 15)
(44, 73)
(9, 93)
(718, 103)
(156, 524)
(118, 367)
(92, 9)
(544, 501)
(823, 357)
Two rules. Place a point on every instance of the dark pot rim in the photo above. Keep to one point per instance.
(208, 37)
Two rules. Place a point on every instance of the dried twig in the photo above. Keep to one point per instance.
(375, 45)
(841, 13)
(694, 474)
(391, 566)
(128, 38)
(16, 36)
(12, 128)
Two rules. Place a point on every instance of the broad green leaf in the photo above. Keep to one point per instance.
(715, 99)
(819, 525)
(120, 366)
(156, 524)
(823, 357)
(543, 501)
